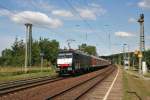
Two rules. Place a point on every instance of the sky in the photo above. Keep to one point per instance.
(106, 24)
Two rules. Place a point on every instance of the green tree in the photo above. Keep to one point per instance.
(15, 56)
(18, 52)
(91, 50)
(35, 53)
(6, 58)
(50, 49)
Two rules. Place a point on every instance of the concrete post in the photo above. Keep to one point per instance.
(28, 45)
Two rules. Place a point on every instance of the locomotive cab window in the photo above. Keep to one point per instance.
(64, 55)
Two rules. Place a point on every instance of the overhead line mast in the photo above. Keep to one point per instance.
(28, 46)
(73, 9)
(88, 25)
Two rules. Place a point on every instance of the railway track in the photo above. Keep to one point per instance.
(14, 86)
(78, 90)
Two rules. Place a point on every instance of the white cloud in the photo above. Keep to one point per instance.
(124, 34)
(132, 20)
(63, 13)
(91, 12)
(87, 14)
(40, 4)
(36, 18)
(144, 4)
(4, 12)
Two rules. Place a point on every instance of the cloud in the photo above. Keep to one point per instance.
(132, 20)
(144, 4)
(4, 12)
(87, 14)
(40, 4)
(124, 34)
(35, 18)
(63, 13)
(91, 12)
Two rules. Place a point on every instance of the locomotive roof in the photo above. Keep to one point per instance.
(74, 51)
(80, 52)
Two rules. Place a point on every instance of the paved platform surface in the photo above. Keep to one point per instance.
(110, 89)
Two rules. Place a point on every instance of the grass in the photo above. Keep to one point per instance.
(147, 75)
(16, 73)
(135, 88)
(135, 71)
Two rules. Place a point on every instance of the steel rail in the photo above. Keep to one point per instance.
(9, 88)
(95, 84)
(3, 84)
(109, 71)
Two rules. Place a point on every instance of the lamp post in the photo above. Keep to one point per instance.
(69, 41)
(41, 55)
(124, 56)
(109, 36)
(128, 56)
(119, 54)
(86, 35)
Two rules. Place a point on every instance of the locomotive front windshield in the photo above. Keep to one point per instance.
(64, 55)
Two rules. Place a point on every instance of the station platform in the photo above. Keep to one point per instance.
(110, 88)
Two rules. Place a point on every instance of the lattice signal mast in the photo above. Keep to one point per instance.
(142, 40)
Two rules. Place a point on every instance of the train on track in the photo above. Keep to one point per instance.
(72, 62)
